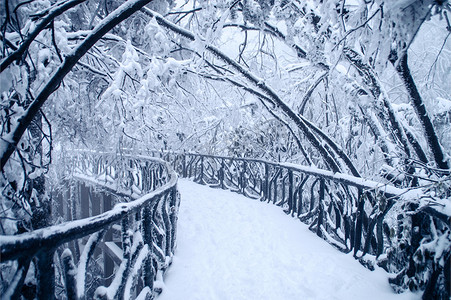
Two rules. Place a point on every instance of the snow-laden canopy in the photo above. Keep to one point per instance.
(356, 87)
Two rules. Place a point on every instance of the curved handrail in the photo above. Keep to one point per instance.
(150, 184)
(25, 244)
(347, 179)
(352, 214)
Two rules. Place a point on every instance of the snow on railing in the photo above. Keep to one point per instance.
(352, 214)
(124, 249)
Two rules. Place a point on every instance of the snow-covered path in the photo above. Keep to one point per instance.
(232, 247)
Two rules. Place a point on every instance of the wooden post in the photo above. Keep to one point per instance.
(126, 243)
(46, 274)
(266, 189)
(274, 199)
(184, 166)
(243, 178)
(284, 187)
(221, 174)
(290, 192)
(312, 195)
(195, 162)
(200, 180)
(300, 204)
(173, 205)
(152, 177)
(15, 289)
(322, 187)
(147, 273)
(165, 206)
(69, 274)
(380, 237)
(189, 168)
(359, 223)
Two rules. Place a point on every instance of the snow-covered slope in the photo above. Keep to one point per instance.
(232, 247)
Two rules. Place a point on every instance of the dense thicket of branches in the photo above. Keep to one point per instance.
(359, 87)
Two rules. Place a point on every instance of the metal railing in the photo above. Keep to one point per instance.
(138, 234)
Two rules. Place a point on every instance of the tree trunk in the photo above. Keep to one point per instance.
(403, 70)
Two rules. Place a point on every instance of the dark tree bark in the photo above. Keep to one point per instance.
(57, 10)
(69, 275)
(119, 15)
(307, 128)
(403, 70)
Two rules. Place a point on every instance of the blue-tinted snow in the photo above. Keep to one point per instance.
(232, 247)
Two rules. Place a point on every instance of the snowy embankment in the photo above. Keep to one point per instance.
(232, 247)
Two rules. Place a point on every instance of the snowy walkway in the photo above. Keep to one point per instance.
(234, 248)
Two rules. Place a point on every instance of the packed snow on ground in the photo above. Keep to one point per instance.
(232, 247)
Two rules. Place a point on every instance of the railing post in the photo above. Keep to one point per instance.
(153, 177)
(195, 169)
(126, 243)
(243, 178)
(138, 216)
(283, 187)
(189, 167)
(41, 218)
(165, 214)
(320, 221)
(46, 275)
(148, 273)
(221, 174)
(299, 203)
(184, 166)
(158, 238)
(266, 188)
(380, 236)
(274, 199)
(359, 223)
(69, 274)
(14, 290)
(200, 179)
(290, 191)
(173, 217)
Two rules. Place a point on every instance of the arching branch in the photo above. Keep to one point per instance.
(310, 91)
(9, 142)
(403, 70)
(57, 10)
(303, 124)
